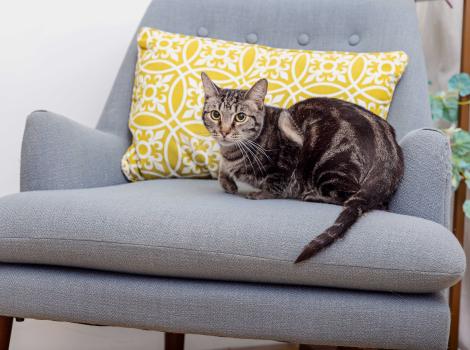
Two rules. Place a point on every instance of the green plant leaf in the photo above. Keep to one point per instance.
(437, 108)
(466, 208)
(444, 105)
(460, 137)
(460, 145)
(461, 83)
(466, 175)
(456, 178)
(450, 111)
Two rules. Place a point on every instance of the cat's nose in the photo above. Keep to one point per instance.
(224, 133)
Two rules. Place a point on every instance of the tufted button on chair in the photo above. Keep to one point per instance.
(202, 32)
(354, 40)
(252, 38)
(303, 39)
(80, 244)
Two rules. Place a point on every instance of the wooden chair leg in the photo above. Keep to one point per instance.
(322, 347)
(6, 323)
(316, 347)
(173, 341)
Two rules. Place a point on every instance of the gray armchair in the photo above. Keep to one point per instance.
(80, 244)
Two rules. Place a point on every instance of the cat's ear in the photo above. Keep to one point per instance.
(258, 92)
(210, 89)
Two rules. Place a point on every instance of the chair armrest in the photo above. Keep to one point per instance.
(425, 190)
(58, 153)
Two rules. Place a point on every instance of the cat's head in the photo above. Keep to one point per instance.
(233, 115)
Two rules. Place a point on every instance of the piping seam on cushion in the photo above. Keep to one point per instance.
(455, 274)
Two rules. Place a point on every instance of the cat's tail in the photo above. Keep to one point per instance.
(353, 208)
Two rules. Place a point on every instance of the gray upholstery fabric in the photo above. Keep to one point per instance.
(381, 25)
(287, 313)
(58, 153)
(191, 228)
(425, 190)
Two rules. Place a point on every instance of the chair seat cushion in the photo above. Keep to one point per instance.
(306, 315)
(192, 229)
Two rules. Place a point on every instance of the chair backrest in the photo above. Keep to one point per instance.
(345, 25)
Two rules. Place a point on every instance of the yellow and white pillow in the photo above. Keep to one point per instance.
(169, 139)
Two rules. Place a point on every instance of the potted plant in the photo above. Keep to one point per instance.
(444, 108)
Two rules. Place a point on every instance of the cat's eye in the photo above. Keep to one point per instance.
(240, 117)
(215, 115)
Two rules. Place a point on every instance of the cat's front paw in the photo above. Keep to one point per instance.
(259, 195)
(229, 187)
(232, 189)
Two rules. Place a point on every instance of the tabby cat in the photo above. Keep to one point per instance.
(319, 150)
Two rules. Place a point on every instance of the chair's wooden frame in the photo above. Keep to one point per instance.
(175, 341)
(6, 324)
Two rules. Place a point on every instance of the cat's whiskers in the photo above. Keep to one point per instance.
(240, 146)
(245, 155)
(255, 157)
(259, 148)
(248, 152)
(237, 143)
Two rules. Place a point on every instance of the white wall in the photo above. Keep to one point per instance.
(441, 32)
(58, 55)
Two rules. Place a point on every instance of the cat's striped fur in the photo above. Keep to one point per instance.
(319, 150)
